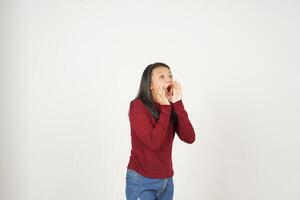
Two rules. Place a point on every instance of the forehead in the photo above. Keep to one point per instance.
(159, 70)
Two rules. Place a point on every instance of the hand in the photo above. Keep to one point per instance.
(177, 91)
(160, 96)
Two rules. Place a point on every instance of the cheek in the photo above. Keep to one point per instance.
(157, 85)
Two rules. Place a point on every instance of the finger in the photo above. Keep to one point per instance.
(160, 93)
(178, 85)
(164, 93)
(154, 93)
(175, 83)
(163, 89)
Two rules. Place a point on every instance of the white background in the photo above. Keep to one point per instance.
(70, 68)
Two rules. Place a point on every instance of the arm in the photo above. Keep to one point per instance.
(151, 136)
(183, 127)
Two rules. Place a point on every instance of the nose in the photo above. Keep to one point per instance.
(169, 80)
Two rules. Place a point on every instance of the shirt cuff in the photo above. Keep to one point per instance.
(178, 105)
(165, 107)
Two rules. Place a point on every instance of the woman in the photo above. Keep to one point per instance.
(155, 115)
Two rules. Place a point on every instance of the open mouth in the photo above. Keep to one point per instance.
(169, 91)
(169, 88)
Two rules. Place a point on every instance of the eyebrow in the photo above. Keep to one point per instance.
(162, 72)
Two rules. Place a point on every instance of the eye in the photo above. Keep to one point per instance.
(171, 76)
(162, 76)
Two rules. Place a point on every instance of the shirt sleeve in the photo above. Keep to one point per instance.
(183, 127)
(151, 135)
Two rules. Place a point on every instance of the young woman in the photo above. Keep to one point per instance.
(155, 115)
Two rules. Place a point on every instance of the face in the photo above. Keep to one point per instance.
(161, 76)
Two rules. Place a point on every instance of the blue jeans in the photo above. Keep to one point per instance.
(139, 187)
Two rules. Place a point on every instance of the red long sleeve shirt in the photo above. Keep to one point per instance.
(151, 140)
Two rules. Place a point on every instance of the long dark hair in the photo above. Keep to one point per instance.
(144, 92)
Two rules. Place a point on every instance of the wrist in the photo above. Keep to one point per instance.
(176, 100)
(165, 103)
